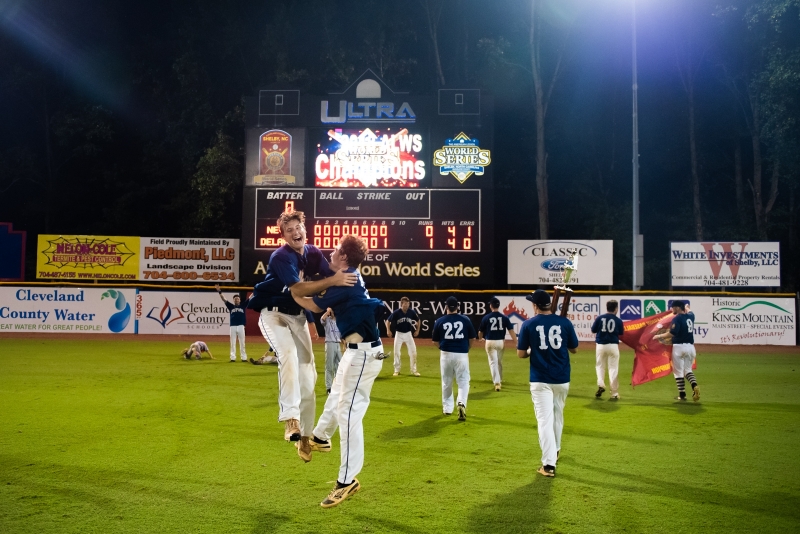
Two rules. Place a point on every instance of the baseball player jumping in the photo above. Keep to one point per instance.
(493, 328)
(361, 363)
(284, 324)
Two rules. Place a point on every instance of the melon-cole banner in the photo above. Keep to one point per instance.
(533, 262)
(87, 257)
(741, 264)
(722, 320)
(175, 312)
(186, 259)
(70, 310)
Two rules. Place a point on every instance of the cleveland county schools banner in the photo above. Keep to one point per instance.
(184, 259)
(710, 264)
(722, 320)
(87, 257)
(67, 310)
(175, 312)
(542, 262)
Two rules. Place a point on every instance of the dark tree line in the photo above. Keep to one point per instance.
(126, 118)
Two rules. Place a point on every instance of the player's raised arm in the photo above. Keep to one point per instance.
(216, 286)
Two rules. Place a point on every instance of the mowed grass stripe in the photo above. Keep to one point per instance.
(111, 436)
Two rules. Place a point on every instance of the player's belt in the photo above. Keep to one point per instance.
(283, 309)
(364, 346)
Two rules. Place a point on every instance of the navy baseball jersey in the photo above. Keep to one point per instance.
(607, 327)
(494, 325)
(402, 321)
(453, 332)
(548, 336)
(682, 329)
(286, 267)
(355, 311)
(237, 312)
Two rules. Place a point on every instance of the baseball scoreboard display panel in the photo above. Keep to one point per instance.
(411, 175)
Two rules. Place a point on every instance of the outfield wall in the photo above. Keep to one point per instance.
(721, 319)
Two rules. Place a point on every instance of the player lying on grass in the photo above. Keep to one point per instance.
(195, 349)
(357, 316)
(681, 335)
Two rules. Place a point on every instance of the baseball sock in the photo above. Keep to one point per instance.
(315, 439)
(692, 379)
(681, 383)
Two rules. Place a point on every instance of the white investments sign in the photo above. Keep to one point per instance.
(161, 312)
(542, 262)
(185, 259)
(710, 264)
(67, 310)
(722, 320)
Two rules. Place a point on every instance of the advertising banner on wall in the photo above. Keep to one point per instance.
(176, 312)
(710, 264)
(722, 320)
(67, 310)
(541, 262)
(185, 259)
(87, 257)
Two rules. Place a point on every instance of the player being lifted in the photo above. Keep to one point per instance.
(608, 327)
(284, 324)
(681, 332)
(401, 322)
(493, 328)
(357, 317)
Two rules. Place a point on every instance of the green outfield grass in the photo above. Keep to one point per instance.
(110, 436)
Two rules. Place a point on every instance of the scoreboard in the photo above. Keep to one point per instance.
(410, 175)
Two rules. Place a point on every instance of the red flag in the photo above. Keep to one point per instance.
(653, 359)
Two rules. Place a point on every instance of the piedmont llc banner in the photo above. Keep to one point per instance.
(175, 312)
(722, 320)
(542, 262)
(87, 257)
(70, 310)
(710, 264)
(185, 259)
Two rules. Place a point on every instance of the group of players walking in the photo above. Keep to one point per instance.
(300, 279)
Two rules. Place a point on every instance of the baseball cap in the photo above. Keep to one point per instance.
(678, 304)
(494, 302)
(539, 297)
(451, 302)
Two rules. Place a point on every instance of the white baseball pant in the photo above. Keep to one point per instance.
(455, 366)
(494, 350)
(333, 355)
(607, 356)
(289, 337)
(237, 332)
(347, 404)
(548, 404)
(408, 339)
(683, 355)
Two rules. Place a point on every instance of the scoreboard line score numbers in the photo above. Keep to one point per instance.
(395, 220)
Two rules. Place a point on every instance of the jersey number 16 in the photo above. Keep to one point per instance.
(554, 336)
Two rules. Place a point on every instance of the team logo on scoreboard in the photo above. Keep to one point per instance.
(275, 159)
(462, 157)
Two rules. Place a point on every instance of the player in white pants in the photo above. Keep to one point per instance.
(361, 363)
(493, 328)
(237, 322)
(681, 333)
(403, 322)
(333, 349)
(453, 334)
(607, 329)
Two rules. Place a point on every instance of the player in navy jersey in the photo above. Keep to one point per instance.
(357, 318)
(548, 339)
(681, 332)
(284, 324)
(237, 323)
(405, 324)
(453, 334)
(608, 327)
(493, 328)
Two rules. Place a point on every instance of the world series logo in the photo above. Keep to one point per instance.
(462, 157)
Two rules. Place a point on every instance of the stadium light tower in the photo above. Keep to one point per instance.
(638, 242)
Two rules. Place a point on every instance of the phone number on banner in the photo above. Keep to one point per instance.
(188, 275)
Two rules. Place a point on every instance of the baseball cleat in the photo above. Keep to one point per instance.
(338, 494)
(696, 394)
(679, 398)
(233, 361)
(416, 373)
(497, 387)
(614, 397)
(304, 448)
(396, 374)
(292, 432)
(547, 470)
(447, 413)
(256, 362)
(600, 391)
(319, 445)
(462, 412)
